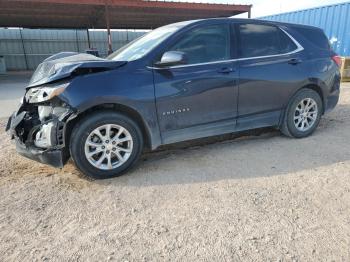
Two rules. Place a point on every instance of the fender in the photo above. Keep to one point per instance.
(117, 88)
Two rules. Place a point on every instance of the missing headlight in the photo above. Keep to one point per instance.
(48, 112)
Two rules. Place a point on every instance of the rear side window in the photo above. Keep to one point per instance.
(205, 44)
(263, 40)
(315, 36)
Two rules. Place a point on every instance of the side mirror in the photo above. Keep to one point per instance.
(172, 58)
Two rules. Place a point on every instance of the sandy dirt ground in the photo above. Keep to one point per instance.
(253, 198)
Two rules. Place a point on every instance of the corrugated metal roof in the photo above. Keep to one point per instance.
(123, 14)
(333, 19)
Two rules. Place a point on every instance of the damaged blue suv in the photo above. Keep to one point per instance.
(179, 82)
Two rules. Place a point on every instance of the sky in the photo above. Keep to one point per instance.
(270, 7)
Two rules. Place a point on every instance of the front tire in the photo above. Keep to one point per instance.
(303, 114)
(105, 144)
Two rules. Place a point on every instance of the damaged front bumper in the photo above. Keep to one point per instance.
(40, 138)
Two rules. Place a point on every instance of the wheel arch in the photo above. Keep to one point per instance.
(317, 89)
(285, 126)
(120, 108)
(313, 86)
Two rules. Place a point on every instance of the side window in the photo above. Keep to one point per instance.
(263, 40)
(287, 45)
(206, 44)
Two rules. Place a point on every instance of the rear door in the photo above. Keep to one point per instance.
(269, 73)
(203, 91)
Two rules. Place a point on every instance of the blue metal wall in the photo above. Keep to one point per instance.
(333, 19)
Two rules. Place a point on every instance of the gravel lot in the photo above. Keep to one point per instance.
(253, 198)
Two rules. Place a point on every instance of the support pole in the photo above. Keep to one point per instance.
(24, 49)
(110, 50)
(88, 37)
(77, 40)
(250, 12)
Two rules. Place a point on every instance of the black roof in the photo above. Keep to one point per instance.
(247, 20)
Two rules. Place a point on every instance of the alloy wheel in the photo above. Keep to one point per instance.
(108, 146)
(305, 114)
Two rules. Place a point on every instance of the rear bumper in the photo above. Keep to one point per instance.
(332, 100)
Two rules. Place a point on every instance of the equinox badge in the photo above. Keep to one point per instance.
(177, 111)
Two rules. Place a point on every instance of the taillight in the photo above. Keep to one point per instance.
(337, 60)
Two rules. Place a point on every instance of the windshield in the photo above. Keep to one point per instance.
(143, 45)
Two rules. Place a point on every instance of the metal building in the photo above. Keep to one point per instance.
(24, 49)
(333, 19)
(118, 14)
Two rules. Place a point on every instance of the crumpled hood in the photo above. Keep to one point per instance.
(63, 64)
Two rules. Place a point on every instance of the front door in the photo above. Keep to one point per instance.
(203, 92)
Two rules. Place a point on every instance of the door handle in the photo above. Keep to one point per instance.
(226, 70)
(294, 61)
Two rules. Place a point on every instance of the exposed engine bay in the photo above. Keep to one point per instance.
(40, 128)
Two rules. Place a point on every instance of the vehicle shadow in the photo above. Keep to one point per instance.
(258, 153)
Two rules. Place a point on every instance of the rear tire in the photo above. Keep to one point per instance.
(303, 114)
(105, 144)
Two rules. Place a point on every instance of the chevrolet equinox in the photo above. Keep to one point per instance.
(179, 82)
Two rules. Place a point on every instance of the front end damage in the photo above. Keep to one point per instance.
(39, 131)
(39, 125)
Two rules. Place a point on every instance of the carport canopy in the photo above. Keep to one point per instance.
(101, 14)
